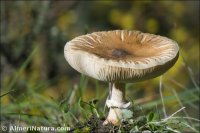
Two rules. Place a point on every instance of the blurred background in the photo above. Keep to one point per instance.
(35, 75)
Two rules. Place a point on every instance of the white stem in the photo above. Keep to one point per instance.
(116, 103)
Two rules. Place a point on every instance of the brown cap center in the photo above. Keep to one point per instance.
(118, 53)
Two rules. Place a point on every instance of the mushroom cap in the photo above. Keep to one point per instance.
(121, 55)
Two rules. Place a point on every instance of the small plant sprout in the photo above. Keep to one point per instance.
(118, 57)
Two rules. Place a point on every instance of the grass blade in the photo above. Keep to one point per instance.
(22, 67)
(7, 93)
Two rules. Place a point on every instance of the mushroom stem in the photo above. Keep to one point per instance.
(116, 102)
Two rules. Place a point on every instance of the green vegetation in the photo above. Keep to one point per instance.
(39, 88)
(33, 108)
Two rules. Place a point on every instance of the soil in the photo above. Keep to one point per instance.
(95, 125)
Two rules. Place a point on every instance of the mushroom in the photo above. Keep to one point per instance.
(118, 57)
